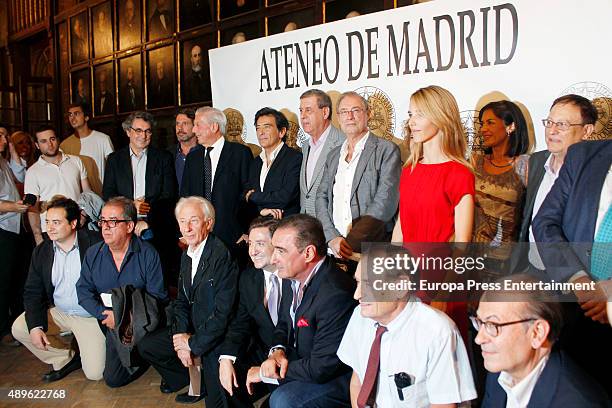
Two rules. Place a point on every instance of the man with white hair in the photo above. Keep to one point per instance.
(219, 172)
(207, 290)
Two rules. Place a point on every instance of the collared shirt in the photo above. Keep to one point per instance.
(46, 179)
(265, 167)
(65, 273)
(314, 152)
(195, 254)
(10, 221)
(99, 274)
(215, 153)
(268, 283)
(299, 289)
(179, 162)
(139, 171)
(519, 394)
(421, 342)
(343, 184)
(547, 182)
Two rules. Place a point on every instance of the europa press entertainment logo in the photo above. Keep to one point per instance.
(601, 96)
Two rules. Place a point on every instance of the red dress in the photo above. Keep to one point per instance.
(428, 197)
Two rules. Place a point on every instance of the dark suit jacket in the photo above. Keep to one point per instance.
(156, 28)
(109, 104)
(326, 309)
(160, 183)
(38, 290)
(562, 384)
(203, 308)
(569, 212)
(229, 188)
(252, 322)
(282, 186)
(520, 260)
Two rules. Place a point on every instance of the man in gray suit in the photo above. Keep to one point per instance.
(315, 117)
(359, 190)
(571, 120)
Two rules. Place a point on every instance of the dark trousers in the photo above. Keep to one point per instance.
(13, 272)
(588, 344)
(241, 398)
(157, 349)
(115, 374)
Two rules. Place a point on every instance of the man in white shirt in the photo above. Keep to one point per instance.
(316, 121)
(360, 178)
(54, 173)
(526, 368)
(91, 146)
(403, 353)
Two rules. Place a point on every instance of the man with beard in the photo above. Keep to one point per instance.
(195, 80)
(54, 173)
(187, 141)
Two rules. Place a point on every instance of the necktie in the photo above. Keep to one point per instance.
(207, 174)
(273, 296)
(367, 394)
(601, 255)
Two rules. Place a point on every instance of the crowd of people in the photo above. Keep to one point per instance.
(241, 277)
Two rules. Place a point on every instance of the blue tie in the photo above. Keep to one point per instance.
(601, 255)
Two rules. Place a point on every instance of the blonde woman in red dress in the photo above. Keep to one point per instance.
(437, 183)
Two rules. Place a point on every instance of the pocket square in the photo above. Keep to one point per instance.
(302, 322)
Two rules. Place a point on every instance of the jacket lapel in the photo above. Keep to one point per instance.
(203, 265)
(305, 152)
(223, 163)
(546, 387)
(367, 152)
(47, 266)
(125, 172)
(150, 170)
(279, 158)
(591, 184)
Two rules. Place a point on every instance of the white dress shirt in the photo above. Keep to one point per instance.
(421, 342)
(215, 153)
(314, 152)
(265, 167)
(139, 171)
(343, 184)
(519, 394)
(195, 254)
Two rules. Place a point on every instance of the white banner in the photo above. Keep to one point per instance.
(529, 52)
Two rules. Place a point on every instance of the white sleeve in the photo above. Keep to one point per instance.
(348, 351)
(30, 185)
(449, 376)
(82, 168)
(108, 146)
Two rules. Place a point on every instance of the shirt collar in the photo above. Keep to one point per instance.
(218, 145)
(142, 154)
(358, 147)
(179, 151)
(63, 159)
(277, 149)
(523, 389)
(548, 166)
(197, 252)
(400, 320)
(322, 138)
(56, 247)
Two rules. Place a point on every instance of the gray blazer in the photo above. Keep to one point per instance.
(375, 189)
(308, 195)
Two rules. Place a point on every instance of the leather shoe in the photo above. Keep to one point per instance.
(55, 375)
(185, 398)
(165, 388)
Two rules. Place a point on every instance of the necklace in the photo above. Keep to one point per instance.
(502, 166)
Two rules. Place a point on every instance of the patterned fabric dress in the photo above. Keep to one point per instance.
(498, 208)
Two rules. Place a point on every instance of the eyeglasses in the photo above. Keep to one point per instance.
(111, 223)
(563, 126)
(354, 111)
(140, 132)
(493, 329)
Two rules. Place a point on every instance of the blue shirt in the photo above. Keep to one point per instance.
(179, 162)
(65, 273)
(140, 268)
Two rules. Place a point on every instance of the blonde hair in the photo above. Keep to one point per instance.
(440, 107)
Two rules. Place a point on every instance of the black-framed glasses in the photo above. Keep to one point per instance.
(354, 111)
(563, 126)
(111, 223)
(493, 329)
(140, 132)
